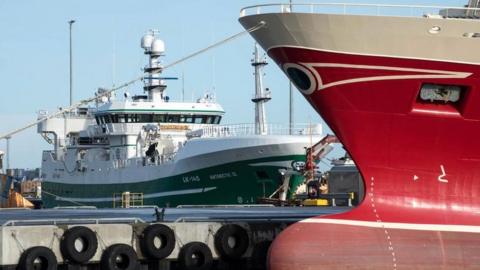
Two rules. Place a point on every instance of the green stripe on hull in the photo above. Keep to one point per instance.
(232, 183)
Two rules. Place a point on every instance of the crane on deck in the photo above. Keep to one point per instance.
(307, 169)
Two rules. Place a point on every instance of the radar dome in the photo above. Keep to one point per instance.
(158, 46)
(147, 41)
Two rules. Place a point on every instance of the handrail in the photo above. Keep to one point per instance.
(287, 8)
(33, 222)
(77, 207)
(250, 129)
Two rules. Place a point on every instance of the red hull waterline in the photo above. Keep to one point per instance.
(420, 162)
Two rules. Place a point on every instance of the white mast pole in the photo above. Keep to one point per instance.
(261, 96)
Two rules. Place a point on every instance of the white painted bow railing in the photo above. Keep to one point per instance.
(364, 9)
(249, 129)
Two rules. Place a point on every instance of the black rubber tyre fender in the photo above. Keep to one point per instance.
(195, 256)
(223, 241)
(119, 256)
(37, 258)
(68, 244)
(148, 239)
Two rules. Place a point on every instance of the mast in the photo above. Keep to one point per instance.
(262, 95)
(154, 48)
(474, 3)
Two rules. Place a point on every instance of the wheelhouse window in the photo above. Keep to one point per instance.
(145, 118)
(209, 119)
(158, 118)
(198, 120)
(173, 118)
(131, 118)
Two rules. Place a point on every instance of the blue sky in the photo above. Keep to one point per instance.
(34, 58)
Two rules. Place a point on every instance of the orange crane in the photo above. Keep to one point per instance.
(316, 152)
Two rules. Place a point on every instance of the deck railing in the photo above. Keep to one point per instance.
(365, 9)
(250, 129)
(77, 113)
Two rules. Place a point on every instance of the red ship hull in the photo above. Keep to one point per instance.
(334, 246)
(420, 163)
(419, 155)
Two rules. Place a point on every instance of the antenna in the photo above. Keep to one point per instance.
(71, 22)
(7, 154)
(183, 67)
(213, 60)
(114, 58)
(213, 72)
(183, 85)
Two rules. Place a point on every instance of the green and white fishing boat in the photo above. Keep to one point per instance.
(168, 153)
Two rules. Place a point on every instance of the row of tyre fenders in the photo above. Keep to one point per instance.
(157, 242)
